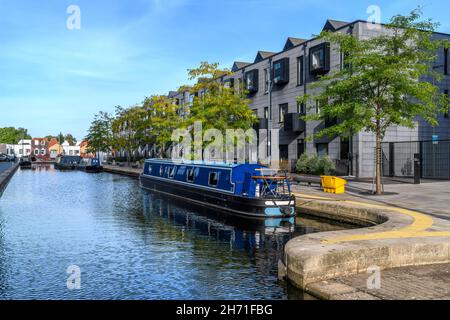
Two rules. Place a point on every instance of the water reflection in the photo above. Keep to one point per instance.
(130, 244)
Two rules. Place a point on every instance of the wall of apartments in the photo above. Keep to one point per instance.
(359, 151)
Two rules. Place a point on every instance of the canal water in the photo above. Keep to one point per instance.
(128, 244)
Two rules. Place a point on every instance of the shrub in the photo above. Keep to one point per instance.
(315, 165)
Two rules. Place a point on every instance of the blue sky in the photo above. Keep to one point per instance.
(54, 79)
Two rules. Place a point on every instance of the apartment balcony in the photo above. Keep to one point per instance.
(263, 124)
(293, 123)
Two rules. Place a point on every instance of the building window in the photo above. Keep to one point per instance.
(283, 111)
(36, 142)
(20, 151)
(42, 151)
(36, 152)
(300, 147)
(322, 149)
(300, 68)
(281, 71)
(447, 113)
(251, 81)
(266, 80)
(446, 61)
(319, 59)
(266, 112)
(284, 152)
(213, 179)
(301, 108)
(43, 142)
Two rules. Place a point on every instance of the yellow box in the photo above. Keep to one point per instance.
(333, 184)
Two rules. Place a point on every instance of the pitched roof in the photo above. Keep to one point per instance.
(239, 65)
(333, 25)
(53, 142)
(292, 42)
(261, 55)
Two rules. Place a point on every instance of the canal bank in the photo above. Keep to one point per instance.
(331, 265)
(7, 170)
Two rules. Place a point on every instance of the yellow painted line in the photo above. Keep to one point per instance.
(421, 222)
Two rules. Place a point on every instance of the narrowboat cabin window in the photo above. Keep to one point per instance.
(172, 171)
(149, 169)
(319, 59)
(190, 175)
(281, 71)
(161, 170)
(213, 179)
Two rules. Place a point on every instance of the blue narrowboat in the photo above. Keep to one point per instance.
(249, 190)
(90, 165)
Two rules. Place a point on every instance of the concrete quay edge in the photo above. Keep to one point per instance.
(312, 261)
(6, 176)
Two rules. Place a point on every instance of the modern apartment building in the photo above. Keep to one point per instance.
(275, 80)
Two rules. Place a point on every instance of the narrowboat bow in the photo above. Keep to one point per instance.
(244, 189)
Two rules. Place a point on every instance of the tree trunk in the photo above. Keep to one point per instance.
(378, 156)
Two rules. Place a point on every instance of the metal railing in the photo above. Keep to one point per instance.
(398, 159)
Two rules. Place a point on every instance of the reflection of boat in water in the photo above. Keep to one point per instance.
(67, 162)
(242, 231)
(91, 165)
(25, 163)
(242, 189)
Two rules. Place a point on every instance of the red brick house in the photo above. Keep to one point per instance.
(39, 149)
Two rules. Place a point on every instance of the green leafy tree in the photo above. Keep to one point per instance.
(99, 135)
(216, 105)
(381, 84)
(70, 139)
(11, 135)
(162, 117)
(128, 129)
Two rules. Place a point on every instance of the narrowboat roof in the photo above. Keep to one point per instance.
(201, 163)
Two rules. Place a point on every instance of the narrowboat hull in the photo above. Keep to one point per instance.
(65, 166)
(91, 169)
(221, 201)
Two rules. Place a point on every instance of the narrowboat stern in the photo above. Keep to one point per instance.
(249, 190)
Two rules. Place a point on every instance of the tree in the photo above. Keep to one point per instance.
(11, 135)
(99, 135)
(128, 129)
(162, 117)
(381, 83)
(216, 105)
(70, 139)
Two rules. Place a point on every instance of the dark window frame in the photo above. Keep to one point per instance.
(282, 73)
(325, 66)
(217, 179)
(446, 115)
(189, 172)
(281, 115)
(300, 71)
(254, 74)
(323, 144)
(446, 61)
(171, 173)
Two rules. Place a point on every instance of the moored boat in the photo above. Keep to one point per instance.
(64, 162)
(249, 190)
(91, 165)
